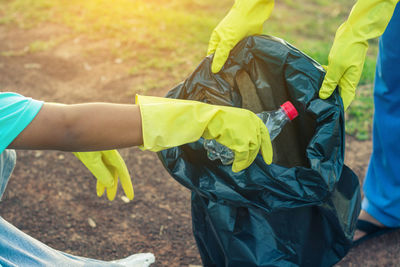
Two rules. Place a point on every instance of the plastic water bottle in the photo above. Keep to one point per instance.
(273, 120)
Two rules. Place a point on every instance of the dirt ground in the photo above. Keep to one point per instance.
(51, 195)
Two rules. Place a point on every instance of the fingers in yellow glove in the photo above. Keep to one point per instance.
(111, 191)
(100, 188)
(244, 160)
(346, 82)
(107, 166)
(266, 146)
(368, 19)
(244, 19)
(168, 123)
(342, 74)
(213, 43)
(221, 54)
(113, 159)
(94, 162)
(246, 149)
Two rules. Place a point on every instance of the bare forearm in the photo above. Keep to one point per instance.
(82, 127)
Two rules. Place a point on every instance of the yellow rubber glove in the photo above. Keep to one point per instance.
(245, 18)
(168, 123)
(368, 19)
(107, 166)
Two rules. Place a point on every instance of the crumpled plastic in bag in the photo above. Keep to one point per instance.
(299, 211)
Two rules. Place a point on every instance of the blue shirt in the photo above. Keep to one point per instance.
(16, 112)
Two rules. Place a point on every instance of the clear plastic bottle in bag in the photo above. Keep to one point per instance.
(273, 120)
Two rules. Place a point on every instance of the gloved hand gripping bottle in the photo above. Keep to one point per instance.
(273, 120)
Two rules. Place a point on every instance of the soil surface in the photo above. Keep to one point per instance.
(51, 195)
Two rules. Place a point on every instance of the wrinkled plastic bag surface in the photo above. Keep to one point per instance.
(300, 210)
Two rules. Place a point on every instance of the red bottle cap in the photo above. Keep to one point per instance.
(290, 110)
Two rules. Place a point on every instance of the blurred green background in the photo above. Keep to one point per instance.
(171, 36)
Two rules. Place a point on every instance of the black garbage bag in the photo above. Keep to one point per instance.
(300, 210)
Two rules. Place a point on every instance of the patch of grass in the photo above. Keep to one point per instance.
(368, 74)
(359, 114)
(4, 19)
(153, 65)
(291, 3)
(12, 53)
(40, 46)
(317, 50)
(27, 13)
(33, 47)
(322, 2)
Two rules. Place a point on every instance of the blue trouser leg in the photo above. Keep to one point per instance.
(19, 249)
(382, 181)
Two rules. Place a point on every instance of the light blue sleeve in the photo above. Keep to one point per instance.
(16, 112)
